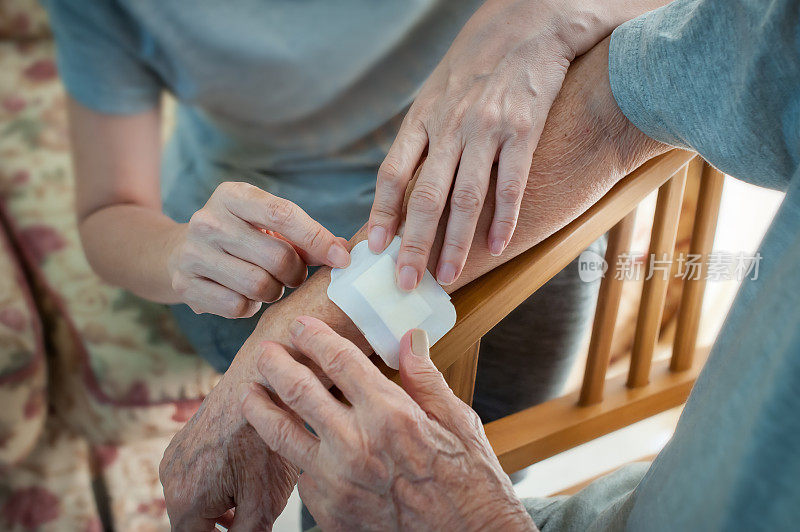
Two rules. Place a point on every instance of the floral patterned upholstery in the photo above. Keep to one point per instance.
(51, 490)
(22, 19)
(124, 369)
(122, 379)
(22, 364)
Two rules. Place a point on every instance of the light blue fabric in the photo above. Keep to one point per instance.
(300, 98)
(721, 77)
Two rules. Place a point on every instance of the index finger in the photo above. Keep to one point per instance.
(282, 433)
(270, 212)
(394, 175)
(425, 206)
(349, 369)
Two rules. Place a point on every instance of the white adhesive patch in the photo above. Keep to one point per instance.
(366, 291)
(399, 310)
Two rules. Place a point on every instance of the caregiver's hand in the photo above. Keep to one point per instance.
(243, 247)
(413, 460)
(486, 101)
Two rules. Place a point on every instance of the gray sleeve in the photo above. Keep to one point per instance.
(721, 77)
(99, 52)
(602, 505)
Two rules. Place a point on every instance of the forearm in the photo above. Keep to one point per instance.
(586, 147)
(129, 245)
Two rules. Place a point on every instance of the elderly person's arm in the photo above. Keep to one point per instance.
(410, 458)
(587, 145)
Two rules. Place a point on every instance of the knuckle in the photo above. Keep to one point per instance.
(416, 115)
(510, 192)
(457, 114)
(412, 246)
(283, 259)
(520, 122)
(274, 293)
(381, 210)
(298, 388)
(488, 116)
(404, 421)
(466, 199)
(389, 174)
(505, 224)
(316, 237)
(337, 360)
(204, 223)
(426, 199)
(180, 284)
(236, 306)
(231, 189)
(521, 125)
(282, 436)
(261, 282)
(190, 256)
(461, 247)
(280, 212)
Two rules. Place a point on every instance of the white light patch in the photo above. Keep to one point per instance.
(367, 293)
(399, 310)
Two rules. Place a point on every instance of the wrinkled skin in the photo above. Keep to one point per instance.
(485, 102)
(411, 458)
(586, 148)
(204, 478)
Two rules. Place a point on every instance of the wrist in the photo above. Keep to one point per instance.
(584, 23)
(170, 251)
(581, 24)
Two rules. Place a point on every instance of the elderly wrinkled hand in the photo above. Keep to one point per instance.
(412, 458)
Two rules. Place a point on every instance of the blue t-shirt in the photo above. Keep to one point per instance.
(300, 98)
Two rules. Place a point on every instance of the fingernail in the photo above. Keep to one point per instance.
(419, 343)
(496, 246)
(244, 391)
(338, 257)
(446, 273)
(296, 328)
(376, 239)
(407, 278)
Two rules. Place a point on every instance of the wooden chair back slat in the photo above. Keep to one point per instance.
(654, 289)
(705, 227)
(605, 317)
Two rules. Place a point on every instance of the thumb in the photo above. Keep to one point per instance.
(422, 380)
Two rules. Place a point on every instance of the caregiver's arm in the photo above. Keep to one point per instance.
(486, 101)
(220, 261)
(586, 147)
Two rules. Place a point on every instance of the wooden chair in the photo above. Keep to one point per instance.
(602, 404)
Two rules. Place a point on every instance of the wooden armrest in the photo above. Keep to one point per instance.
(481, 304)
